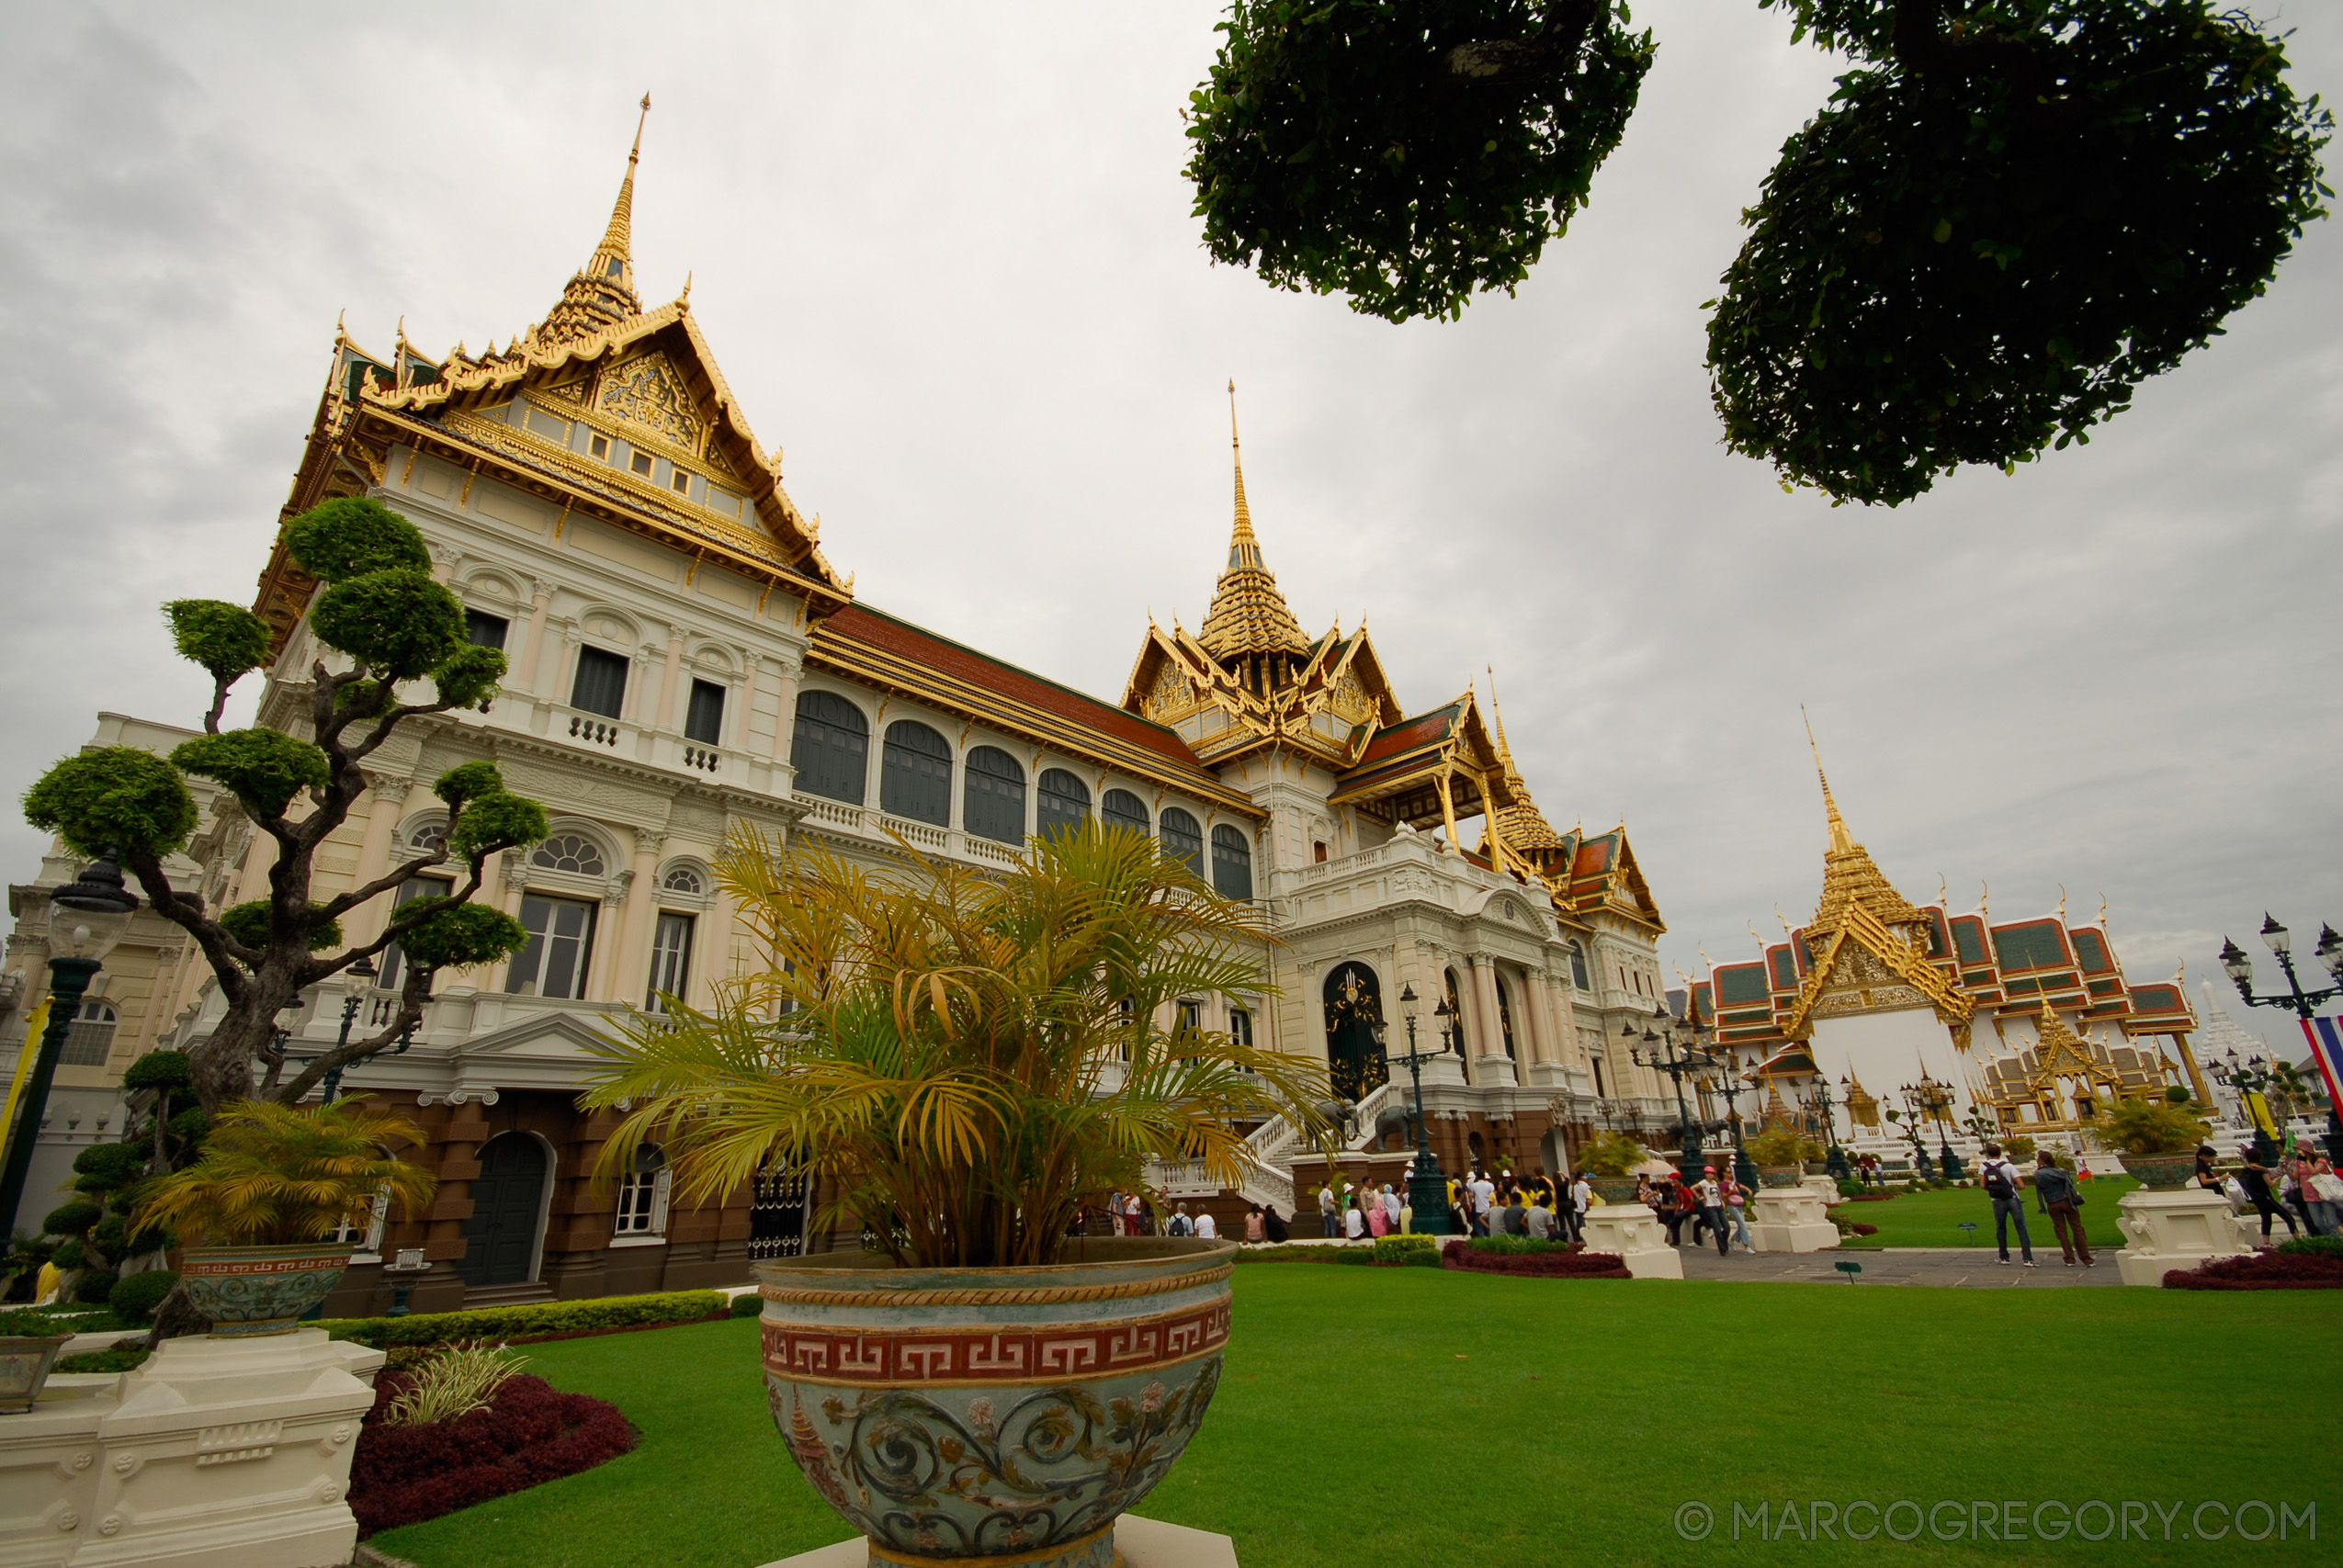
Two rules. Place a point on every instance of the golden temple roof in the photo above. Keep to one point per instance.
(603, 296)
(1248, 614)
(1521, 824)
(1850, 878)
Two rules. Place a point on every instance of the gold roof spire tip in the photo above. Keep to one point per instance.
(1840, 840)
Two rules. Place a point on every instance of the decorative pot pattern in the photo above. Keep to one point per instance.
(1003, 1415)
(248, 1291)
(26, 1361)
(2162, 1173)
(1614, 1188)
(1780, 1175)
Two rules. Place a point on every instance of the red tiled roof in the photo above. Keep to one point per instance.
(1594, 855)
(859, 623)
(1406, 735)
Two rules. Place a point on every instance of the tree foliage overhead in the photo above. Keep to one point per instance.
(2013, 215)
(1407, 153)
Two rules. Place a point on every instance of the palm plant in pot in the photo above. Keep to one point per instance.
(965, 1062)
(2156, 1137)
(266, 1196)
(1780, 1155)
(1609, 1160)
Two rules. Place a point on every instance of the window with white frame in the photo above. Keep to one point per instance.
(89, 1038)
(671, 958)
(553, 962)
(642, 1195)
(393, 971)
(686, 880)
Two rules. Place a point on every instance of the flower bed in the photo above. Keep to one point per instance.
(2262, 1271)
(529, 1433)
(1552, 1264)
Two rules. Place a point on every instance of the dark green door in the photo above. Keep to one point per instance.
(500, 1239)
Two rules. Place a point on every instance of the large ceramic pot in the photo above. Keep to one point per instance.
(248, 1291)
(1003, 1415)
(2163, 1173)
(1614, 1188)
(1780, 1175)
(26, 1361)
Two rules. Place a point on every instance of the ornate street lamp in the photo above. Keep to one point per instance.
(1834, 1158)
(86, 917)
(1732, 1087)
(1676, 1066)
(1427, 1184)
(2329, 953)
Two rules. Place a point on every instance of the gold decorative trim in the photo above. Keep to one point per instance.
(1043, 1295)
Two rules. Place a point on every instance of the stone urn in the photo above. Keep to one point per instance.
(1614, 1188)
(249, 1291)
(26, 1361)
(2162, 1173)
(1780, 1175)
(1010, 1415)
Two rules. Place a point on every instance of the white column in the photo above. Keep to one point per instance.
(785, 719)
(524, 672)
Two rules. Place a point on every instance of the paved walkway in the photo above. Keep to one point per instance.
(1971, 1267)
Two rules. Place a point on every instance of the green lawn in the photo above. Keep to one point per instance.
(1933, 1218)
(1429, 1419)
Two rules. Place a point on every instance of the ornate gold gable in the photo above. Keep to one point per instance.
(2060, 1057)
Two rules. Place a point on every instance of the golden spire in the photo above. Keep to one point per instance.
(1249, 616)
(604, 294)
(1527, 835)
(1840, 840)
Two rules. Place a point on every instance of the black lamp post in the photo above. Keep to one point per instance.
(1730, 1084)
(86, 917)
(1835, 1157)
(1427, 1186)
(2329, 953)
(1932, 1098)
(2251, 1076)
(1676, 1066)
(1921, 1161)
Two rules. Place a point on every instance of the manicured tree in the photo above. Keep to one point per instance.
(2011, 213)
(397, 626)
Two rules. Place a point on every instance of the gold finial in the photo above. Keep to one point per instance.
(1840, 840)
(1755, 936)
(1243, 548)
(1985, 891)
(1943, 891)
(2062, 903)
(617, 239)
(1784, 922)
(685, 297)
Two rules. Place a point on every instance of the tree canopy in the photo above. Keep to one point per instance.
(2008, 214)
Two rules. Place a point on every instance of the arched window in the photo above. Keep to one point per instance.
(1232, 863)
(995, 807)
(915, 774)
(89, 1039)
(683, 879)
(1504, 1014)
(1121, 808)
(1064, 804)
(831, 748)
(569, 851)
(642, 1194)
(1456, 1014)
(427, 837)
(1183, 839)
(1579, 967)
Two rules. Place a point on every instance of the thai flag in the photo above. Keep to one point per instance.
(2326, 1035)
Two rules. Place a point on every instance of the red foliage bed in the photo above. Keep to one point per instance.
(2260, 1272)
(1541, 1265)
(531, 1433)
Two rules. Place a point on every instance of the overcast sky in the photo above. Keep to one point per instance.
(945, 258)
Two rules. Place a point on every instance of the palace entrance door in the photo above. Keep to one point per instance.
(1353, 1007)
(508, 1200)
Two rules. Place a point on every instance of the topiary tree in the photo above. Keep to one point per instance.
(2007, 216)
(1407, 155)
(380, 608)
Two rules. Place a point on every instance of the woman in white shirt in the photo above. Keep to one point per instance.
(1354, 1220)
(1206, 1228)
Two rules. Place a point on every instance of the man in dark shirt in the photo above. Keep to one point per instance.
(2056, 1195)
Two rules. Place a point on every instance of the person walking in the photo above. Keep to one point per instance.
(1326, 1218)
(2059, 1195)
(1736, 1204)
(1712, 1202)
(1378, 1219)
(2307, 1170)
(2001, 1185)
(1671, 1208)
(1115, 1212)
(1581, 1200)
(1134, 1215)
(1395, 1211)
(1256, 1227)
(1484, 1194)
(2254, 1177)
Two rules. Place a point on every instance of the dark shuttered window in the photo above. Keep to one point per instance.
(831, 748)
(601, 683)
(995, 807)
(1182, 839)
(1123, 809)
(1064, 804)
(704, 719)
(915, 776)
(1232, 863)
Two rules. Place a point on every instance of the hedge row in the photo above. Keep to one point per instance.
(1540, 1265)
(537, 1320)
(530, 1434)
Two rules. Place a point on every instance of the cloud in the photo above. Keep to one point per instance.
(946, 258)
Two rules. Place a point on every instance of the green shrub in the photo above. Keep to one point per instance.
(540, 1320)
(96, 1286)
(158, 1069)
(1779, 1147)
(2143, 1126)
(71, 1219)
(1357, 1255)
(1852, 1189)
(39, 1323)
(135, 1296)
(1403, 1248)
(750, 1305)
(104, 1361)
(1517, 1246)
(2314, 1247)
(2019, 1146)
(1611, 1154)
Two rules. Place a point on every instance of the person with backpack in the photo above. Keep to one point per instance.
(2000, 1178)
(1181, 1224)
(2057, 1195)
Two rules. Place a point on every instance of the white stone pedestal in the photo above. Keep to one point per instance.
(217, 1453)
(1635, 1233)
(1495, 1071)
(1142, 1544)
(1826, 1188)
(2173, 1230)
(1791, 1219)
